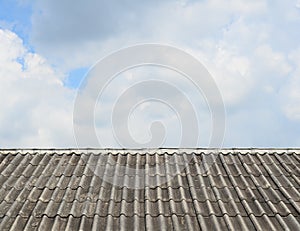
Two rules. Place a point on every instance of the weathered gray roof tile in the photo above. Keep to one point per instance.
(150, 189)
(27, 209)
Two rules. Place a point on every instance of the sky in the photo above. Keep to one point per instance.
(250, 48)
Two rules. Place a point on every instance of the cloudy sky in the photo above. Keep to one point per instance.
(251, 49)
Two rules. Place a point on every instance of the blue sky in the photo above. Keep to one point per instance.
(251, 48)
(16, 16)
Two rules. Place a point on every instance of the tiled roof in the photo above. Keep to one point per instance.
(150, 189)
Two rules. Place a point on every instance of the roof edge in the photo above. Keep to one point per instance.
(151, 150)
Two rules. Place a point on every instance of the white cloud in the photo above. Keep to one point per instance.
(73, 35)
(250, 47)
(36, 109)
(290, 92)
(188, 25)
(143, 115)
(231, 71)
(275, 62)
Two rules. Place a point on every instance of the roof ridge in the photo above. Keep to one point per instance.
(157, 151)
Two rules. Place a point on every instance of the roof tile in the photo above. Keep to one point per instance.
(181, 190)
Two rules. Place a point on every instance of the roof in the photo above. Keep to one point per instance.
(163, 189)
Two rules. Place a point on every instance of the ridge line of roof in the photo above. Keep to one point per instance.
(171, 148)
(151, 150)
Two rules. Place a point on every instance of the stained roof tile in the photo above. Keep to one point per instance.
(192, 189)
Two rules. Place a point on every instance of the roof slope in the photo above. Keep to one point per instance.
(61, 189)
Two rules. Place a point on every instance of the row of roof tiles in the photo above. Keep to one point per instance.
(148, 222)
